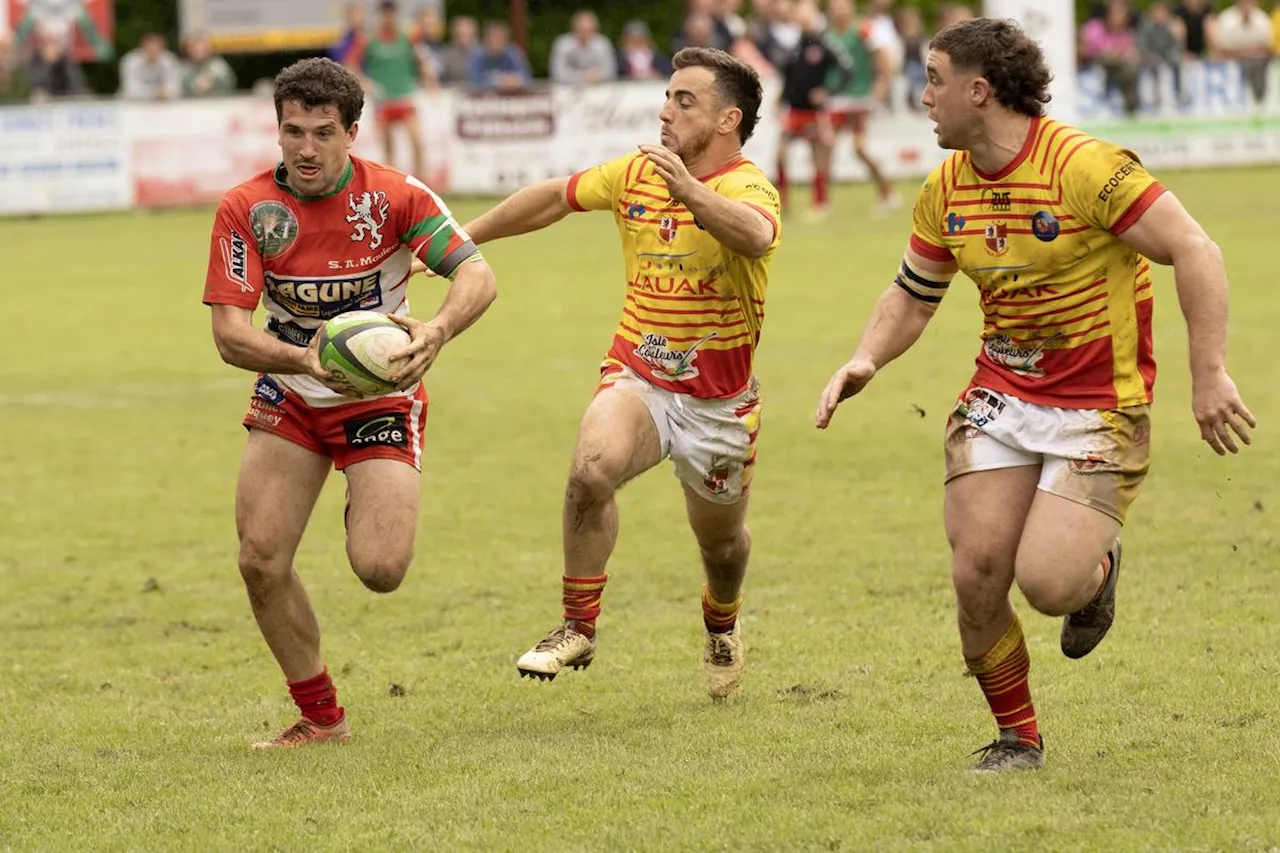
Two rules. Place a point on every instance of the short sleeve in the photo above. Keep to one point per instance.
(753, 188)
(234, 276)
(431, 232)
(598, 188)
(1108, 187)
(926, 220)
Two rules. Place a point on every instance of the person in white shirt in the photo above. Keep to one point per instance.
(150, 72)
(1243, 33)
(583, 55)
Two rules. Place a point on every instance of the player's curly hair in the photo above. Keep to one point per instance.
(319, 82)
(737, 82)
(1001, 52)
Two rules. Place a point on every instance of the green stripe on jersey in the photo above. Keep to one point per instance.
(426, 227)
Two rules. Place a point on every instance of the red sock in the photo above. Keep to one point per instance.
(317, 699)
(820, 189)
(582, 602)
(718, 616)
(1002, 675)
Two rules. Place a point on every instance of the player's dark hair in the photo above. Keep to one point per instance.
(1001, 52)
(320, 82)
(387, 6)
(737, 82)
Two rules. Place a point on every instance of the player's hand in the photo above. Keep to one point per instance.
(1219, 410)
(425, 342)
(333, 381)
(849, 380)
(672, 170)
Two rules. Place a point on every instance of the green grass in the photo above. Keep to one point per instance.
(132, 676)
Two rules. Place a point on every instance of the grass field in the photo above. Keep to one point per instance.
(132, 676)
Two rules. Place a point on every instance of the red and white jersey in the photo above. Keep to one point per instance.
(310, 258)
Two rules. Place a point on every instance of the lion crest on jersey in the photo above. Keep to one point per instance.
(368, 215)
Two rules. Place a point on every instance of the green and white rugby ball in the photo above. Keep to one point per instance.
(357, 347)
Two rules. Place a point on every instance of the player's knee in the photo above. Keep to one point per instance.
(382, 574)
(731, 548)
(1049, 592)
(979, 576)
(262, 566)
(590, 484)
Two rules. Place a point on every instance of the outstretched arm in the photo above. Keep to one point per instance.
(529, 209)
(896, 323)
(1167, 234)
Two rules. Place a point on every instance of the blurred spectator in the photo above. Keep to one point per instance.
(1160, 45)
(498, 64)
(150, 72)
(950, 13)
(583, 55)
(701, 16)
(352, 33)
(13, 73)
(729, 14)
(428, 39)
(886, 47)
(1243, 32)
(638, 59)
(699, 31)
(773, 31)
(52, 73)
(205, 73)
(1112, 44)
(915, 46)
(1196, 18)
(464, 39)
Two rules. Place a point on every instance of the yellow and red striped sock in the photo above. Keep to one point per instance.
(1002, 674)
(716, 615)
(582, 602)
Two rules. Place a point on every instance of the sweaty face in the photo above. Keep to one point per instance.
(946, 96)
(314, 146)
(691, 112)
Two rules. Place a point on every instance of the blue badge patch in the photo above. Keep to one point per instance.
(267, 389)
(955, 222)
(1045, 226)
(636, 210)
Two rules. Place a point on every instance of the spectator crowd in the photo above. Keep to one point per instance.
(1126, 45)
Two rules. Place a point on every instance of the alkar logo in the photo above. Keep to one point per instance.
(997, 200)
(670, 364)
(322, 299)
(368, 215)
(667, 229)
(235, 260)
(997, 238)
(385, 430)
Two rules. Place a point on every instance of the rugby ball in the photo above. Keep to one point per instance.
(357, 347)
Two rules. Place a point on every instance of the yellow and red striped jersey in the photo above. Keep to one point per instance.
(693, 309)
(1066, 303)
(309, 259)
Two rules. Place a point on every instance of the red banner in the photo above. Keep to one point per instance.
(88, 25)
